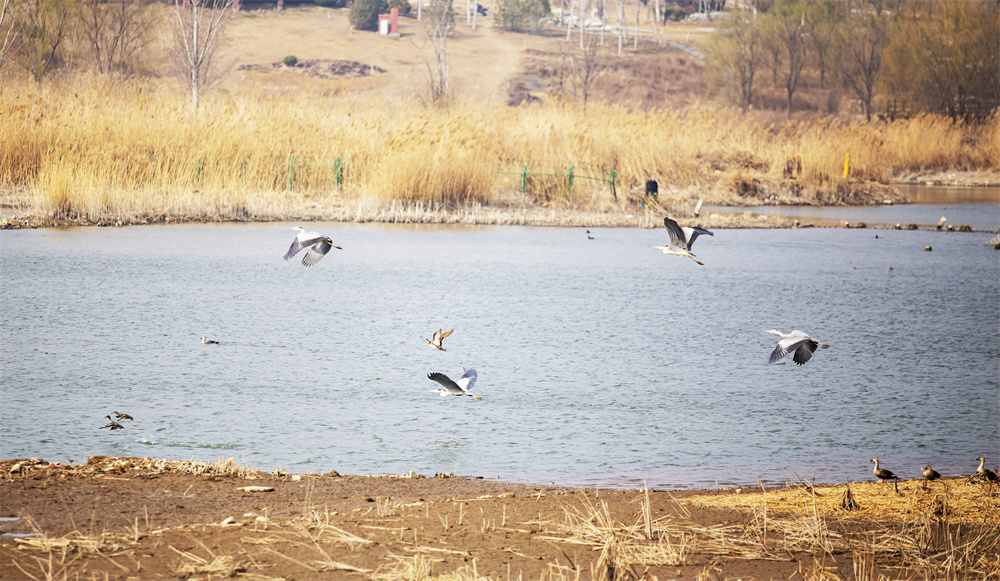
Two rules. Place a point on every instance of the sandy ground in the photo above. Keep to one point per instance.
(133, 518)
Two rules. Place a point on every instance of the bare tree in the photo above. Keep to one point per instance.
(11, 26)
(116, 30)
(585, 67)
(861, 41)
(440, 23)
(46, 24)
(198, 31)
(736, 52)
(785, 31)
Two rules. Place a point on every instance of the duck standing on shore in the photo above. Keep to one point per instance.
(985, 473)
(929, 474)
(881, 473)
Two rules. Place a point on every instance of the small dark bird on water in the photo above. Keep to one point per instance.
(113, 425)
(122, 416)
(881, 473)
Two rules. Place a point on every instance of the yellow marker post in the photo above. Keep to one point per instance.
(847, 164)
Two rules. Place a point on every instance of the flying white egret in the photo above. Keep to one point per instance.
(318, 245)
(113, 425)
(681, 239)
(449, 387)
(803, 345)
(438, 337)
(881, 473)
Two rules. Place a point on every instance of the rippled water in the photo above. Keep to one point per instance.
(978, 207)
(601, 361)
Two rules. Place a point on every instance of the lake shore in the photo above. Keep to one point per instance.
(133, 518)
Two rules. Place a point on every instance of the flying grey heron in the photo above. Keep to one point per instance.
(983, 472)
(449, 387)
(881, 473)
(318, 245)
(122, 416)
(438, 337)
(113, 425)
(681, 239)
(207, 341)
(802, 344)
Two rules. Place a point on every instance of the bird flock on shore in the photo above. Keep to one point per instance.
(681, 240)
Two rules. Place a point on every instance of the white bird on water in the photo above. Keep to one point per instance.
(681, 239)
(803, 345)
(449, 387)
(438, 338)
(318, 245)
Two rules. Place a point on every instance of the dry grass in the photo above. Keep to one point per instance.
(142, 155)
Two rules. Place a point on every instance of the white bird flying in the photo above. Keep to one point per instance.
(449, 387)
(318, 245)
(803, 345)
(438, 338)
(681, 239)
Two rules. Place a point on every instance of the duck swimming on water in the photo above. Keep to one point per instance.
(207, 341)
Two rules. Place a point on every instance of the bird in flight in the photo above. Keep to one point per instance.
(681, 239)
(113, 425)
(207, 341)
(318, 245)
(449, 387)
(438, 338)
(803, 345)
(122, 416)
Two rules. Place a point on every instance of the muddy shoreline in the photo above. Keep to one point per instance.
(131, 518)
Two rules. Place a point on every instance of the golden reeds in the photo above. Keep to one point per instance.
(87, 151)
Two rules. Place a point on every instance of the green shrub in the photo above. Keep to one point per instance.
(520, 15)
(364, 13)
(331, 3)
(403, 5)
(290, 61)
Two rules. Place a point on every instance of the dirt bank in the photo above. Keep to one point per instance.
(130, 518)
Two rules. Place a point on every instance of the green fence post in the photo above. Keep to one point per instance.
(524, 180)
(612, 180)
(569, 182)
(197, 175)
(336, 173)
(291, 171)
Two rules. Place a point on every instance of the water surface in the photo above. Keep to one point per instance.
(601, 361)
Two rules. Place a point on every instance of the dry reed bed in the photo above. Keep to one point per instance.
(102, 153)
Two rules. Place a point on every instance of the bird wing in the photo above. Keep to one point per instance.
(786, 346)
(676, 234)
(446, 333)
(467, 380)
(445, 382)
(691, 234)
(303, 240)
(805, 352)
(318, 251)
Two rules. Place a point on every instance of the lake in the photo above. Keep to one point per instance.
(978, 207)
(601, 362)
